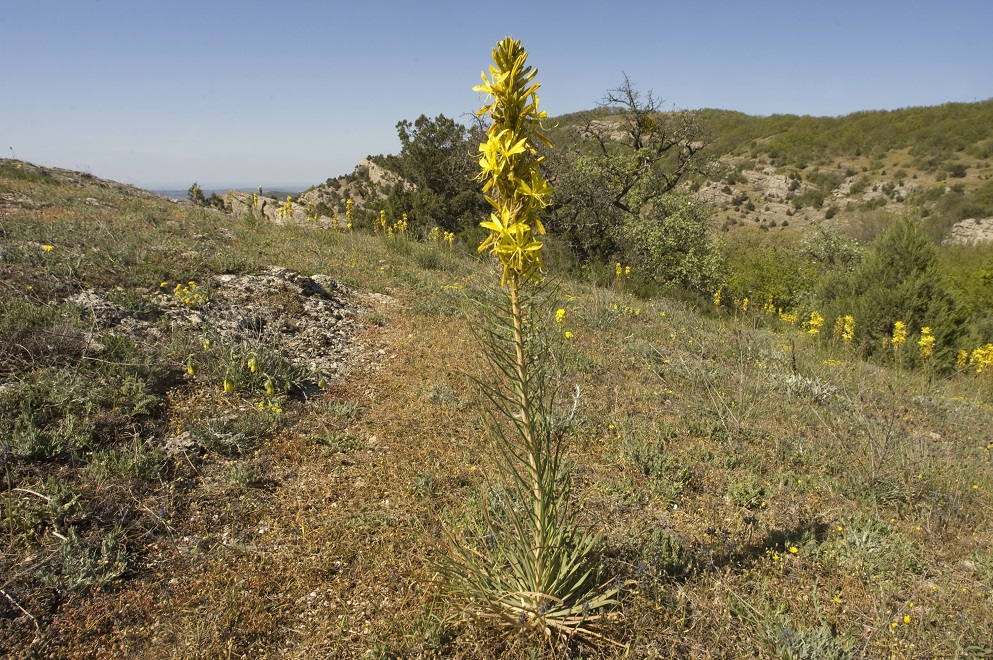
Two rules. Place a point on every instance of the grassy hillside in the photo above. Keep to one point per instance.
(759, 491)
(787, 170)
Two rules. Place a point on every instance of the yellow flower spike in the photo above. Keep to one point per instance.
(509, 168)
(899, 334)
(926, 342)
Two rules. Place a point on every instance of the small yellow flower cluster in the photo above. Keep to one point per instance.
(899, 334)
(560, 315)
(434, 235)
(349, 213)
(717, 298)
(286, 210)
(312, 215)
(815, 323)
(848, 332)
(844, 328)
(926, 342)
(450, 239)
(47, 248)
(769, 308)
(622, 272)
(744, 305)
(789, 317)
(189, 294)
(982, 357)
(255, 200)
(270, 406)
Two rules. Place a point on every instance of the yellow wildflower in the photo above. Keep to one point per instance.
(848, 331)
(982, 357)
(899, 334)
(926, 342)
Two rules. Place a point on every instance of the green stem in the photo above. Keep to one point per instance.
(527, 424)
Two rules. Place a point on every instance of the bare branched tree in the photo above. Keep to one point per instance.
(629, 156)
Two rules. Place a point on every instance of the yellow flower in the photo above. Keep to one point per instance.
(848, 333)
(228, 385)
(906, 619)
(744, 305)
(568, 335)
(815, 323)
(926, 342)
(899, 334)
(717, 298)
(794, 550)
(47, 248)
(509, 165)
(982, 357)
(560, 316)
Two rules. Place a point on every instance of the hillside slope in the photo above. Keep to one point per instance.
(226, 437)
(787, 170)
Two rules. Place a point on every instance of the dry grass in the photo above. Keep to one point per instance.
(698, 454)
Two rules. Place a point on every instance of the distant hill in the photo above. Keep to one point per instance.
(789, 170)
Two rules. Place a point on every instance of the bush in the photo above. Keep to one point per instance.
(899, 280)
(670, 244)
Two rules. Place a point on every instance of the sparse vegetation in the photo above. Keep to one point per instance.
(754, 488)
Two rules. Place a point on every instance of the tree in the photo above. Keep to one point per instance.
(669, 243)
(438, 165)
(611, 187)
(899, 280)
(195, 195)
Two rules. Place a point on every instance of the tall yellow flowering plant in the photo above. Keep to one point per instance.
(533, 570)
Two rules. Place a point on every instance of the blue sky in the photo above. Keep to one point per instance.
(161, 94)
